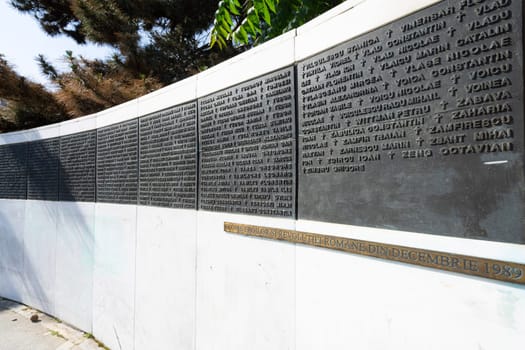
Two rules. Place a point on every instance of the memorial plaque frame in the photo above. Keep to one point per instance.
(77, 181)
(175, 184)
(13, 171)
(43, 169)
(250, 167)
(418, 125)
(117, 163)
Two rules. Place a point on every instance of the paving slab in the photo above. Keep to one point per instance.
(18, 332)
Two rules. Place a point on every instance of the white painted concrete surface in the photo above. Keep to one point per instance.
(74, 264)
(245, 286)
(172, 95)
(383, 304)
(114, 274)
(40, 235)
(165, 278)
(77, 125)
(126, 111)
(270, 56)
(43, 132)
(12, 214)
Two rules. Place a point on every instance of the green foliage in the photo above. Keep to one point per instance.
(28, 104)
(156, 42)
(152, 38)
(106, 21)
(241, 23)
(55, 16)
(46, 67)
(254, 21)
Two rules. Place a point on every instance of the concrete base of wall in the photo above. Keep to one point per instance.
(154, 278)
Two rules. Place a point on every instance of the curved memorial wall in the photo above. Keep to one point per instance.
(357, 182)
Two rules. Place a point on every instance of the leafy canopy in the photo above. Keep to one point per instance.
(156, 42)
(28, 104)
(151, 36)
(249, 22)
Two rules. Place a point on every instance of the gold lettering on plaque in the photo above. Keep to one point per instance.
(474, 266)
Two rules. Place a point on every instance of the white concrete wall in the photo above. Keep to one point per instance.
(155, 278)
(114, 274)
(74, 264)
(385, 304)
(165, 285)
(12, 252)
(40, 241)
(245, 286)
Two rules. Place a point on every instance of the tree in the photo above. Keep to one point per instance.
(254, 21)
(156, 42)
(28, 104)
(93, 85)
(153, 38)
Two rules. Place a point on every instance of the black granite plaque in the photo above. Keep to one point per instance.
(43, 162)
(117, 165)
(247, 147)
(13, 173)
(77, 167)
(418, 125)
(168, 158)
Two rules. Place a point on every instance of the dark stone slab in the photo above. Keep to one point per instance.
(13, 171)
(117, 163)
(43, 171)
(418, 125)
(247, 147)
(168, 158)
(77, 167)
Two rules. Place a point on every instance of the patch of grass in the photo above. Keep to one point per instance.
(57, 334)
(99, 343)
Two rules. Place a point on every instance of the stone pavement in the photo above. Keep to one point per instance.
(17, 332)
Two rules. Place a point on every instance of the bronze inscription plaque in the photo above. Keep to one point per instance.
(247, 147)
(418, 125)
(168, 157)
(487, 268)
